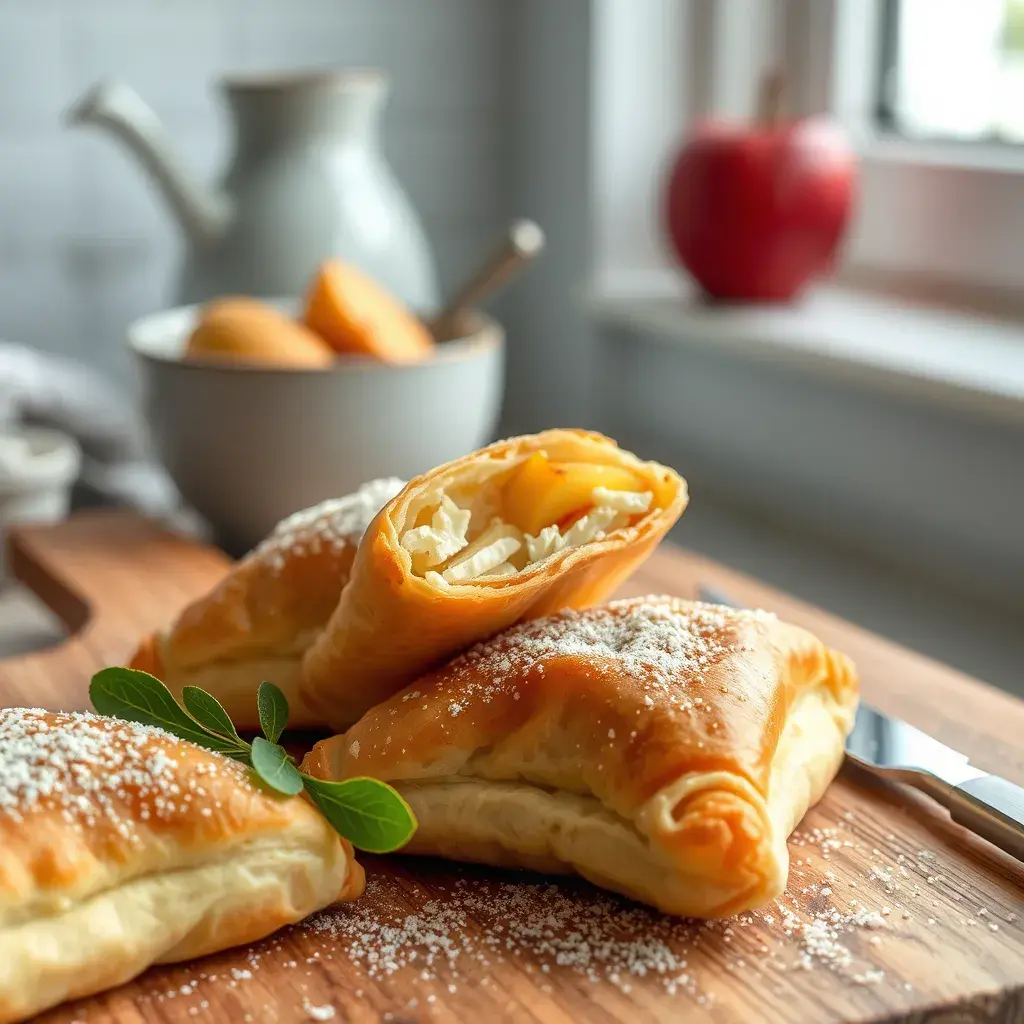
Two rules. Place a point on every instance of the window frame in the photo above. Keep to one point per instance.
(931, 215)
(885, 113)
(930, 210)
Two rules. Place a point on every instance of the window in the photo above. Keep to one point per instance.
(930, 93)
(953, 71)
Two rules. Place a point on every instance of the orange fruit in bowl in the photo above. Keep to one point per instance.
(357, 316)
(246, 331)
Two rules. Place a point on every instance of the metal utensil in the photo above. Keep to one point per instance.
(523, 242)
(893, 750)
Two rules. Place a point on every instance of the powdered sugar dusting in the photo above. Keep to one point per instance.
(661, 642)
(451, 932)
(475, 924)
(90, 767)
(314, 1012)
(333, 523)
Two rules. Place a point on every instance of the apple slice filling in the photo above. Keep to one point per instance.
(547, 507)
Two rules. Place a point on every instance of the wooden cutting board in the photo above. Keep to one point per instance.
(892, 914)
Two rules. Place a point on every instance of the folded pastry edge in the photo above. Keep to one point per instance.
(708, 844)
(231, 680)
(170, 916)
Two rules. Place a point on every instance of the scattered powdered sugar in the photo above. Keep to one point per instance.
(325, 1012)
(91, 768)
(475, 924)
(821, 937)
(660, 641)
(864, 918)
(459, 931)
(452, 932)
(885, 876)
(331, 524)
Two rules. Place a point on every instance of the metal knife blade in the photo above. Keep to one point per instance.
(879, 741)
(894, 750)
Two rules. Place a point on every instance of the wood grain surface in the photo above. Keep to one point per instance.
(892, 913)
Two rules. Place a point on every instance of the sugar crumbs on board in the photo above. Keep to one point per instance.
(469, 926)
(474, 924)
(315, 1012)
(461, 930)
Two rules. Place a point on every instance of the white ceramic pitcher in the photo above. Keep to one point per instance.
(307, 180)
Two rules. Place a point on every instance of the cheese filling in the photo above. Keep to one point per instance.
(449, 558)
(629, 502)
(480, 564)
(444, 537)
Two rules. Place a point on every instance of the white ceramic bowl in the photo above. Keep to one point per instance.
(38, 467)
(248, 446)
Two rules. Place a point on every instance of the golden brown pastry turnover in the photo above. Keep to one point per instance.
(514, 531)
(257, 623)
(122, 846)
(661, 748)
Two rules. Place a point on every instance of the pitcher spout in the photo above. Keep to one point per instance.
(202, 212)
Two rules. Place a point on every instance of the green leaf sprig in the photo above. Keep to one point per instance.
(367, 812)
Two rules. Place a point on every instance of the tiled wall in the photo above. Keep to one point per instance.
(85, 244)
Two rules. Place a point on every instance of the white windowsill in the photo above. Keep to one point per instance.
(972, 156)
(950, 358)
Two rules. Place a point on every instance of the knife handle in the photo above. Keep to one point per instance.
(992, 808)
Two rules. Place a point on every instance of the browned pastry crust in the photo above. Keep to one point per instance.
(394, 622)
(258, 621)
(121, 847)
(661, 748)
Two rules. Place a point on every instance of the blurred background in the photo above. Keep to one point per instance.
(858, 442)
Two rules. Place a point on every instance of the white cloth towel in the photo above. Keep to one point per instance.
(40, 388)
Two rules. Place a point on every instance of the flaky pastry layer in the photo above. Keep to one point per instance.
(234, 682)
(111, 937)
(397, 619)
(661, 748)
(121, 846)
(517, 825)
(258, 622)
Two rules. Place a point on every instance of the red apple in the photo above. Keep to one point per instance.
(756, 212)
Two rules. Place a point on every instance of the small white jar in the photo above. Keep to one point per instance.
(38, 468)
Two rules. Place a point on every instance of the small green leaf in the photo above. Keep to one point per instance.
(368, 813)
(208, 712)
(273, 708)
(139, 697)
(274, 767)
